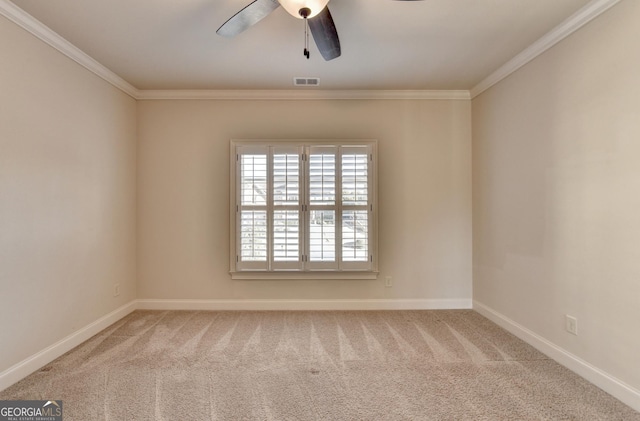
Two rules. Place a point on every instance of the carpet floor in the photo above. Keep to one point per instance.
(368, 365)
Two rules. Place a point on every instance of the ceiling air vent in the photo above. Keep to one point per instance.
(306, 81)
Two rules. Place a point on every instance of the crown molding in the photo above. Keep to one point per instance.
(583, 16)
(300, 94)
(44, 33)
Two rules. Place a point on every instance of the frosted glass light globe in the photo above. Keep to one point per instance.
(294, 6)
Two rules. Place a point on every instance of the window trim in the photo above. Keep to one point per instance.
(343, 271)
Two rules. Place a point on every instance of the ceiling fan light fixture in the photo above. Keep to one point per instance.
(293, 7)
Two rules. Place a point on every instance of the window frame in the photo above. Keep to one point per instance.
(303, 268)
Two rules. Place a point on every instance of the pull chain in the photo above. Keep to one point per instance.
(305, 12)
(306, 38)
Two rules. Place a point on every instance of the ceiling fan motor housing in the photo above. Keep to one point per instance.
(304, 12)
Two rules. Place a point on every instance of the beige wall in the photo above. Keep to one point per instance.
(424, 195)
(556, 194)
(67, 196)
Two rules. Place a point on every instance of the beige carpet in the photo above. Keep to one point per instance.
(400, 365)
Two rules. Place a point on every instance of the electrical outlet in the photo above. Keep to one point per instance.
(116, 290)
(388, 282)
(571, 324)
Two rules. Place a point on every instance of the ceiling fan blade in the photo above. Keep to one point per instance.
(325, 34)
(249, 16)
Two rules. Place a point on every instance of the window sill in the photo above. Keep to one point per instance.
(294, 275)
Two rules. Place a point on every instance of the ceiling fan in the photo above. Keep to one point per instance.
(315, 13)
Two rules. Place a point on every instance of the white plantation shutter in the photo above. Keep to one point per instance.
(287, 210)
(253, 236)
(322, 191)
(252, 223)
(355, 212)
(305, 207)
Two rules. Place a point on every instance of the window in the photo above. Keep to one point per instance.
(303, 209)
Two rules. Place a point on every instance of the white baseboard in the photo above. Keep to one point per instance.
(380, 304)
(598, 377)
(22, 369)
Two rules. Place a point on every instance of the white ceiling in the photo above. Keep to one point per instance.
(386, 45)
